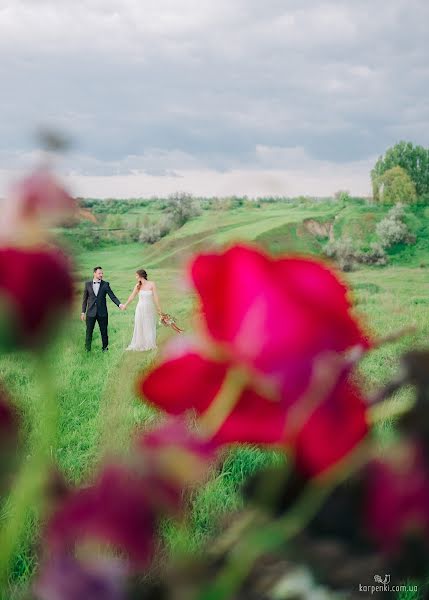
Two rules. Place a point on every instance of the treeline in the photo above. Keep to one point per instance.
(123, 206)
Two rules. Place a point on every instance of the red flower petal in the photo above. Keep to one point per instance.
(332, 431)
(254, 420)
(192, 381)
(271, 311)
(37, 286)
(189, 381)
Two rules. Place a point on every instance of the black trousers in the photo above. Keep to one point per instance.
(90, 324)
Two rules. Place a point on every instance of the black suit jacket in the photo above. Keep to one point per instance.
(94, 305)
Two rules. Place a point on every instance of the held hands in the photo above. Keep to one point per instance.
(122, 306)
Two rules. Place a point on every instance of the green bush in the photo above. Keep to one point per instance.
(182, 207)
(153, 232)
(393, 230)
(376, 255)
(114, 221)
(150, 234)
(395, 185)
(343, 252)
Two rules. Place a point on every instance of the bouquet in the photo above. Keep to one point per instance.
(169, 321)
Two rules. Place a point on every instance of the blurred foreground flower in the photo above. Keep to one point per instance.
(36, 202)
(273, 315)
(397, 496)
(267, 322)
(177, 452)
(63, 577)
(35, 290)
(122, 508)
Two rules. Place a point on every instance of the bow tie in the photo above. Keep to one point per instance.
(96, 282)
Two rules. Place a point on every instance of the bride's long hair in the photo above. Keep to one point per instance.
(141, 273)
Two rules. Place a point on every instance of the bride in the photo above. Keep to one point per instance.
(144, 336)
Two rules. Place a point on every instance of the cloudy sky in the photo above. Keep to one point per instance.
(219, 97)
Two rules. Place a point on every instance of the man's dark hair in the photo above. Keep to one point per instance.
(96, 268)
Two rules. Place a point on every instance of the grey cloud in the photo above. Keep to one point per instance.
(205, 84)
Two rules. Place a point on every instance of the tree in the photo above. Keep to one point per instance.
(342, 195)
(395, 185)
(182, 207)
(413, 159)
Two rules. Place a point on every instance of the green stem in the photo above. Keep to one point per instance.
(28, 487)
(258, 541)
(389, 409)
(225, 401)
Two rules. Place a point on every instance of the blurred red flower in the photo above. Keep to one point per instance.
(176, 451)
(122, 508)
(35, 289)
(193, 381)
(42, 196)
(397, 497)
(66, 578)
(273, 318)
(274, 314)
(332, 430)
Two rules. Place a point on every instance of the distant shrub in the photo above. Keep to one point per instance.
(376, 255)
(344, 253)
(342, 195)
(392, 229)
(206, 204)
(87, 237)
(153, 232)
(150, 234)
(166, 224)
(239, 202)
(182, 208)
(134, 231)
(114, 221)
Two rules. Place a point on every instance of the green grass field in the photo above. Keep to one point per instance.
(98, 403)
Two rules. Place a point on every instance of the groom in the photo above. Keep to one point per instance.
(94, 307)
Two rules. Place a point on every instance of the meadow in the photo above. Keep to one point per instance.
(99, 407)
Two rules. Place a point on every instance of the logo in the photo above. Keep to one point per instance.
(384, 581)
(383, 584)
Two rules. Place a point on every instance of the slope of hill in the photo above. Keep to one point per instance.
(292, 227)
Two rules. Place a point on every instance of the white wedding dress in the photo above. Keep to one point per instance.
(144, 336)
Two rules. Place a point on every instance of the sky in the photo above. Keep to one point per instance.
(212, 97)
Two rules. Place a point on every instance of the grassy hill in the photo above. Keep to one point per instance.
(98, 403)
(300, 225)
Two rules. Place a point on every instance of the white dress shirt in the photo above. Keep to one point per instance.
(96, 286)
